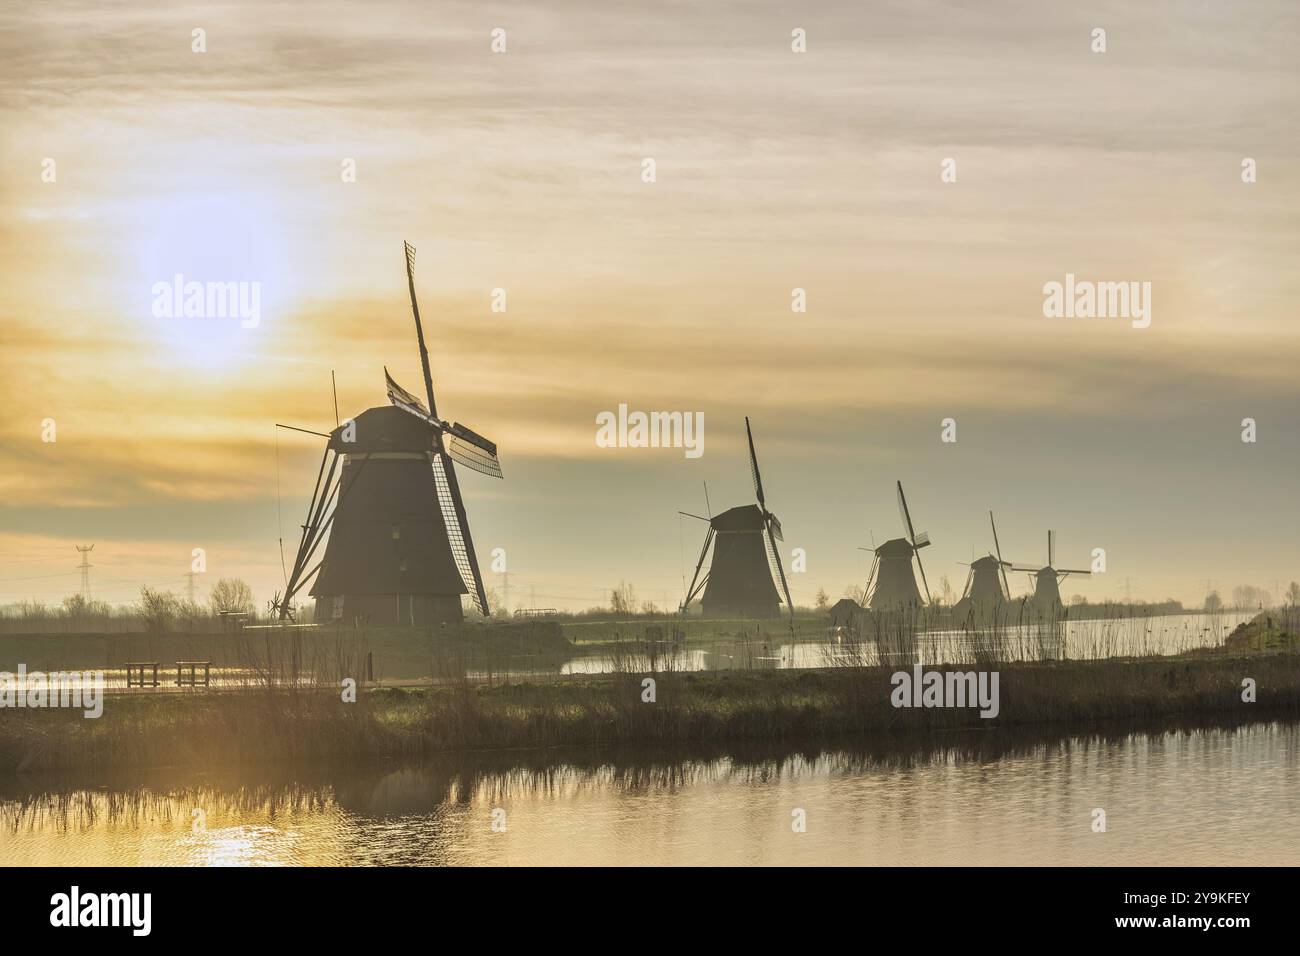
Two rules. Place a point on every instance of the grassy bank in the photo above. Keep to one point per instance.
(395, 652)
(287, 724)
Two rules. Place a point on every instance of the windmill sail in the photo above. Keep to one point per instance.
(448, 488)
(460, 552)
(1002, 565)
(473, 450)
(774, 557)
(771, 527)
(406, 401)
(918, 541)
(464, 444)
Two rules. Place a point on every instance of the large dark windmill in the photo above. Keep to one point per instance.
(739, 582)
(891, 585)
(399, 549)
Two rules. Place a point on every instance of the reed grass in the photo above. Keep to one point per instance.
(309, 720)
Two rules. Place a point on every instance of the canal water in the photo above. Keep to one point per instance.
(1172, 797)
(1075, 640)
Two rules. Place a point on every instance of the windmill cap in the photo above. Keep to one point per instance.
(740, 518)
(896, 548)
(384, 428)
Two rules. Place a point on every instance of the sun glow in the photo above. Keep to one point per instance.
(211, 277)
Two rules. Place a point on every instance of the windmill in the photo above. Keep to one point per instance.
(987, 589)
(400, 550)
(891, 585)
(739, 582)
(1047, 590)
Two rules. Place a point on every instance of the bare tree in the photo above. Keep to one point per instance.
(158, 609)
(945, 588)
(230, 595)
(622, 599)
(1246, 596)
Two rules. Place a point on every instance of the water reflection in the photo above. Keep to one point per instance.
(1226, 795)
(1076, 640)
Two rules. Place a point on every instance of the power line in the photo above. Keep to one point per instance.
(40, 577)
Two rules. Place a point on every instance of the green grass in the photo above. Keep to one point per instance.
(1277, 631)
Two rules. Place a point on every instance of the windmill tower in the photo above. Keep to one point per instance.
(399, 549)
(1047, 590)
(739, 582)
(891, 585)
(987, 592)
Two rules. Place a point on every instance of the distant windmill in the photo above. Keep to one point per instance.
(400, 550)
(1047, 591)
(986, 588)
(891, 585)
(739, 582)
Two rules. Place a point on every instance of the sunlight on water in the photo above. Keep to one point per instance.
(1171, 798)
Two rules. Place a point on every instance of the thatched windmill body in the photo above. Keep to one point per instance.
(891, 583)
(740, 579)
(987, 591)
(399, 547)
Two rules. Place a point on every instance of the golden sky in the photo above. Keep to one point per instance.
(775, 170)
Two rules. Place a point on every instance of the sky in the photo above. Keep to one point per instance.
(775, 170)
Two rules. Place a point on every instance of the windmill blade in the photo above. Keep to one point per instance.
(921, 540)
(775, 527)
(457, 535)
(687, 514)
(473, 450)
(918, 541)
(406, 401)
(903, 513)
(447, 486)
(775, 556)
(1051, 548)
(1071, 571)
(471, 437)
(471, 456)
(1001, 563)
(753, 467)
(928, 599)
(1025, 567)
